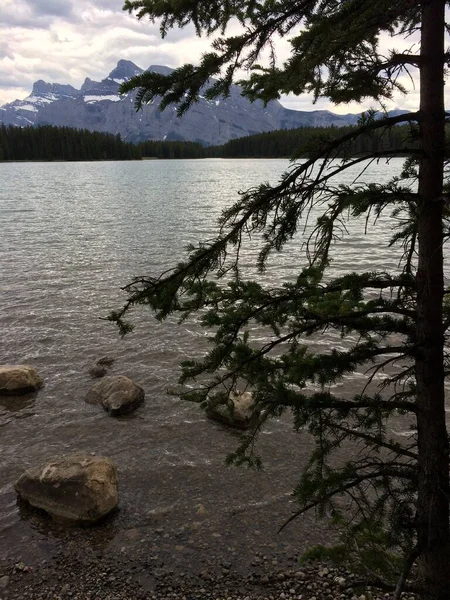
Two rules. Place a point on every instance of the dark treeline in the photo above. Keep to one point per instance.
(279, 144)
(63, 143)
(300, 142)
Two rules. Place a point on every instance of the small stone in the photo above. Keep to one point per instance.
(342, 583)
(201, 510)
(4, 581)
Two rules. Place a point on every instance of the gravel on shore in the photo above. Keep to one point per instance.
(80, 574)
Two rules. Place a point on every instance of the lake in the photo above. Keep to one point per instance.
(71, 235)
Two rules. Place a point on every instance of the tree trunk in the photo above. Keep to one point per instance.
(433, 486)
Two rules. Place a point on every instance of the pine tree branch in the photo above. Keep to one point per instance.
(399, 59)
(396, 473)
(321, 401)
(397, 448)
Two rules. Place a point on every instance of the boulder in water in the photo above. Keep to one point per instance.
(101, 366)
(239, 411)
(19, 379)
(117, 394)
(78, 488)
(105, 361)
(97, 371)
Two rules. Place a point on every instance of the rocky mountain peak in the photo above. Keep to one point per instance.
(160, 69)
(87, 84)
(42, 88)
(124, 70)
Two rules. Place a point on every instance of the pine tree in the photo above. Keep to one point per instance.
(399, 492)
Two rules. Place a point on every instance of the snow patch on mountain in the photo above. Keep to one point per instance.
(100, 98)
(26, 107)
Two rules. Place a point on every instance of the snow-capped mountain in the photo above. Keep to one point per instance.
(98, 106)
(24, 112)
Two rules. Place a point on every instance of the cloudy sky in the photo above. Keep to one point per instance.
(65, 41)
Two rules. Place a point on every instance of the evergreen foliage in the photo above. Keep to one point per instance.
(283, 143)
(63, 143)
(396, 493)
(300, 142)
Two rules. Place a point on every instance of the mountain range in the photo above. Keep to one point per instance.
(98, 106)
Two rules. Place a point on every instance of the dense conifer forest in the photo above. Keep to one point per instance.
(280, 144)
(301, 142)
(63, 143)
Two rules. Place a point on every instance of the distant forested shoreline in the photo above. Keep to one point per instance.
(50, 143)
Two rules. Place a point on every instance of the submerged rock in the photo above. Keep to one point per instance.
(105, 361)
(239, 412)
(79, 488)
(97, 371)
(19, 379)
(117, 394)
(101, 366)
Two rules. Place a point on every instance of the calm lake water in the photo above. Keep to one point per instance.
(71, 235)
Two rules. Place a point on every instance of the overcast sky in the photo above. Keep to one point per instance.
(65, 41)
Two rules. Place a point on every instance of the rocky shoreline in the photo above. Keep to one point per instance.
(164, 566)
(93, 577)
(225, 551)
(77, 580)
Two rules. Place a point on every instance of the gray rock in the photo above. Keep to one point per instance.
(105, 361)
(239, 411)
(101, 366)
(79, 488)
(97, 371)
(4, 581)
(19, 379)
(117, 394)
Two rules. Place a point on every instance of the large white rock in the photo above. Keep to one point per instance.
(79, 488)
(19, 379)
(240, 412)
(117, 394)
